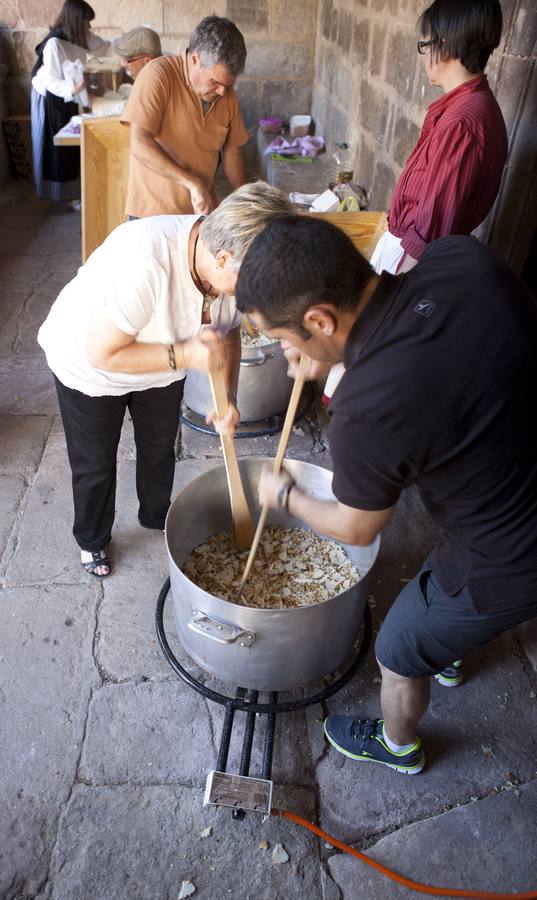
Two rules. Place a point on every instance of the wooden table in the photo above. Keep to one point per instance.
(364, 228)
(104, 175)
(104, 159)
(104, 146)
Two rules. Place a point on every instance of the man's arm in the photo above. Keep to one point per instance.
(150, 154)
(358, 527)
(233, 163)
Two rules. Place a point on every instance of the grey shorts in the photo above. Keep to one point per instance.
(426, 629)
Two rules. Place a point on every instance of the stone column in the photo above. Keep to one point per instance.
(512, 73)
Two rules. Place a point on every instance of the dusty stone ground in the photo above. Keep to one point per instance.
(105, 753)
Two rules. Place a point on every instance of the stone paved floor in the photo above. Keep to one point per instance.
(104, 753)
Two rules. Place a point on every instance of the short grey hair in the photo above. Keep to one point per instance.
(238, 220)
(219, 41)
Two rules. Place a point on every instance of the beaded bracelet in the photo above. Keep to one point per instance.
(171, 357)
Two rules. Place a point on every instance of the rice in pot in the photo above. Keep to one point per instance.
(293, 567)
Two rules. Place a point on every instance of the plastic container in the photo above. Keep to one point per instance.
(270, 125)
(341, 170)
(299, 126)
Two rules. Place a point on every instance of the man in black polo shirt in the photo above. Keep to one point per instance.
(440, 391)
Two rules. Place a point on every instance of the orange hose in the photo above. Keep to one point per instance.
(407, 882)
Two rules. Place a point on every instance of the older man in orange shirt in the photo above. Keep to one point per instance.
(183, 113)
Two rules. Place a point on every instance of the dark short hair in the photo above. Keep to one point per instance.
(71, 20)
(297, 262)
(219, 41)
(468, 30)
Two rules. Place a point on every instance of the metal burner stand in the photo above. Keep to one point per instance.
(253, 429)
(246, 700)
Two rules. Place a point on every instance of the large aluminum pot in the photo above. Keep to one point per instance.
(264, 386)
(263, 649)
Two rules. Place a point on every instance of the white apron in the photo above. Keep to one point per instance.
(387, 254)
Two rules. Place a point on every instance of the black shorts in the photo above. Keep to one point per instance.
(427, 630)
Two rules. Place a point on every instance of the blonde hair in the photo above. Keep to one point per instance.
(241, 217)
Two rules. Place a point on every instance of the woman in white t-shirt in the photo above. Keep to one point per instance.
(55, 98)
(122, 334)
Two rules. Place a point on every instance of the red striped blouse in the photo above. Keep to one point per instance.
(453, 174)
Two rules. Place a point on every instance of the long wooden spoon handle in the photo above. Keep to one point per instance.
(280, 453)
(291, 412)
(253, 549)
(243, 526)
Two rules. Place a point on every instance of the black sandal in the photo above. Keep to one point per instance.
(99, 559)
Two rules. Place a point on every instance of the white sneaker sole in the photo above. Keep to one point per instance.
(448, 682)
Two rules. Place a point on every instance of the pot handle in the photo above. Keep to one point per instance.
(221, 632)
(256, 360)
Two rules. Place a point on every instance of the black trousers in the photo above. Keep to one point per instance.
(92, 428)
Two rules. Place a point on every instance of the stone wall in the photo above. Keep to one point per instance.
(370, 89)
(280, 37)
(513, 74)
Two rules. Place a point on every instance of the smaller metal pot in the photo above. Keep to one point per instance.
(264, 386)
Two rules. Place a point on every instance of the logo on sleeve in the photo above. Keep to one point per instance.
(425, 308)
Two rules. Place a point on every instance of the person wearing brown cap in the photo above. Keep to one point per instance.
(183, 115)
(137, 48)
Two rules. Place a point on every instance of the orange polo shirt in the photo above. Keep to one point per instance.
(163, 103)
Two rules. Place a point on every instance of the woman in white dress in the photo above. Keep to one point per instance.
(55, 98)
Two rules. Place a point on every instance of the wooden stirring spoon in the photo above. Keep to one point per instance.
(243, 526)
(282, 446)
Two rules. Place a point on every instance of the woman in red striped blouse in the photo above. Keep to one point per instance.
(452, 176)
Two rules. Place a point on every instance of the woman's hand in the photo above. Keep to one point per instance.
(205, 352)
(315, 370)
(226, 425)
(270, 486)
(78, 87)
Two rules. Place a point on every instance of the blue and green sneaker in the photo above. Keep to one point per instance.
(451, 676)
(363, 739)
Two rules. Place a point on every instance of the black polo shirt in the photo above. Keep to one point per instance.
(441, 392)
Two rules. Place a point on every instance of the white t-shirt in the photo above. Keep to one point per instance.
(140, 276)
(52, 74)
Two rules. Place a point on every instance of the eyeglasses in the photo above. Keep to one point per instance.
(422, 45)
